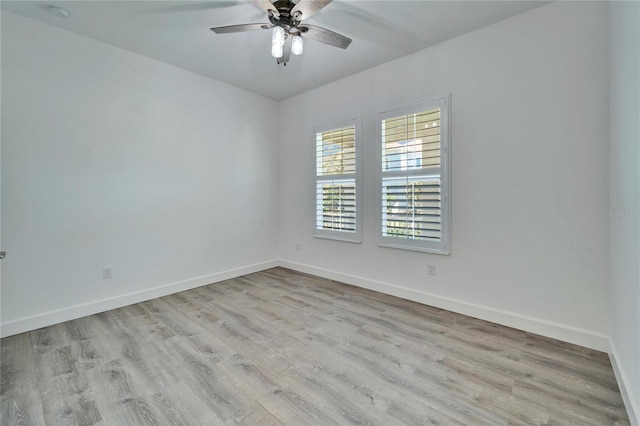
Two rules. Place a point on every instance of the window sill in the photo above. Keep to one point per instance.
(354, 240)
(444, 252)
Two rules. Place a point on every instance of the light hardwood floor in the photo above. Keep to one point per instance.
(279, 347)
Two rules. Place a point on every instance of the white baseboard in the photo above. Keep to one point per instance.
(630, 400)
(33, 322)
(534, 325)
(539, 326)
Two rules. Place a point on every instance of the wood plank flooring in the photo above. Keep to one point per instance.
(280, 347)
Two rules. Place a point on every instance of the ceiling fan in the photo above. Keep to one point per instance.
(285, 19)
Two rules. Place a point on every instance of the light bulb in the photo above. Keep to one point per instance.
(277, 50)
(297, 45)
(277, 37)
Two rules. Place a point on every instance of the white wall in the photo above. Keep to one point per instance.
(113, 159)
(529, 164)
(624, 196)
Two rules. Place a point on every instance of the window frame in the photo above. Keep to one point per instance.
(346, 236)
(443, 246)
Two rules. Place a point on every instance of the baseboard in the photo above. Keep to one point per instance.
(539, 326)
(534, 325)
(630, 400)
(33, 322)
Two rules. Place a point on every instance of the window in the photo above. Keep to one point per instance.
(337, 183)
(414, 193)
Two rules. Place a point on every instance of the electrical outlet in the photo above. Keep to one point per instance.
(107, 272)
(431, 269)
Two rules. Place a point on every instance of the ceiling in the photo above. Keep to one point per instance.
(177, 33)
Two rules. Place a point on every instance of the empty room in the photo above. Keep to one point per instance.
(317, 212)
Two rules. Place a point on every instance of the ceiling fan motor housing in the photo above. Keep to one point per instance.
(285, 20)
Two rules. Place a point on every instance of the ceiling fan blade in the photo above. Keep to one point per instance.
(308, 8)
(240, 28)
(268, 7)
(287, 51)
(325, 36)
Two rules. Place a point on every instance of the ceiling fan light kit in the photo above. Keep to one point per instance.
(277, 50)
(278, 36)
(277, 42)
(297, 46)
(285, 18)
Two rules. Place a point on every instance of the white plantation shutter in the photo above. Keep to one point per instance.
(414, 200)
(412, 208)
(337, 183)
